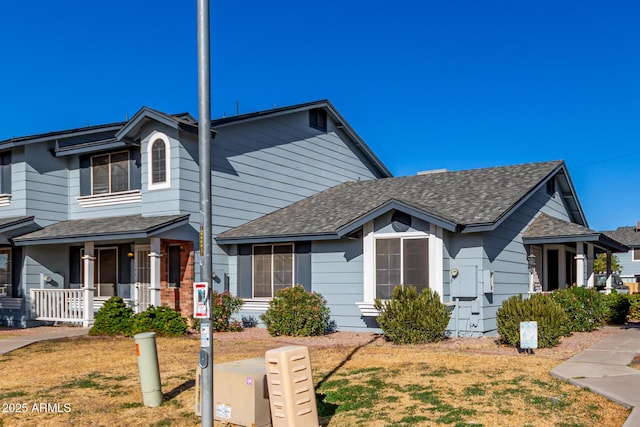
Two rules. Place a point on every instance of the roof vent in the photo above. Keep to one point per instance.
(429, 172)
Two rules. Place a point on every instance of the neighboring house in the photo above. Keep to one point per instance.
(630, 260)
(86, 214)
(477, 237)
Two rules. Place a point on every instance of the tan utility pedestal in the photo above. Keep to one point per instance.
(291, 393)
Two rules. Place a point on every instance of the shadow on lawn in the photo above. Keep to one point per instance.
(327, 409)
(187, 385)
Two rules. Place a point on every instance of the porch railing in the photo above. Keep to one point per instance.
(59, 305)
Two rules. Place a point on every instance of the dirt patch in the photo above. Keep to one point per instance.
(568, 347)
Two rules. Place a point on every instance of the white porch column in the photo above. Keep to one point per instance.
(580, 265)
(590, 277)
(154, 275)
(88, 285)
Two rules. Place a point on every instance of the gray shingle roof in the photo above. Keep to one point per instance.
(478, 196)
(8, 222)
(110, 227)
(548, 226)
(627, 235)
(547, 229)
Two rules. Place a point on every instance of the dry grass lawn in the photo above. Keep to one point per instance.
(93, 381)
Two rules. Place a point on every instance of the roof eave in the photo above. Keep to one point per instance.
(595, 238)
(276, 239)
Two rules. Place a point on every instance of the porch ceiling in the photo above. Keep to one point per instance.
(99, 229)
(546, 230)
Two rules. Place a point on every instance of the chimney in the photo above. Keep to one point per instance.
(433, 171)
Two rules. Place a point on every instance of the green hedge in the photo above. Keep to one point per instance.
(586, 308)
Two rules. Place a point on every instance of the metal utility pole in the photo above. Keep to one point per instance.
(205, 357)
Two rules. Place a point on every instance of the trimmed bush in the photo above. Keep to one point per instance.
(161, 320)
(634, 310)
(619, 306)
(410, 317)
(296, 312)
(113, 318)
(224, 307)
(585, 308)
(551, 317)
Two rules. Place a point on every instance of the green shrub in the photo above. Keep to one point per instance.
(161, 320)
(410, 317)
(113, 318)
(634, 310)
(296, 312)
(224, 307)
(552, 319)
(618, 307)
(585, 308)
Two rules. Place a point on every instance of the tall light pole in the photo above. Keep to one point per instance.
(205, 357)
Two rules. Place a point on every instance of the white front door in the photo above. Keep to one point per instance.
(142, 277)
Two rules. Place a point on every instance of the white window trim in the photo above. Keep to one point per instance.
(100, 200)
(167, 161)
(633, 253)
(5, 200)
(256, 299)
(368, 247)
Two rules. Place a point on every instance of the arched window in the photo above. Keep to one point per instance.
(158, 162)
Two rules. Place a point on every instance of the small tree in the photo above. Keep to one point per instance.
(600, 263)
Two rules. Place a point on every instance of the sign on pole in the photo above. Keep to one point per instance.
(200, 300)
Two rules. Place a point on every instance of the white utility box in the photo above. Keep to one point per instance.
(240, 393)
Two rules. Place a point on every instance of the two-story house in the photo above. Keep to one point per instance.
(115, 208)
(297, 198)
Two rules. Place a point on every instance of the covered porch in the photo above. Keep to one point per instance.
(116, 256)
(561, 254)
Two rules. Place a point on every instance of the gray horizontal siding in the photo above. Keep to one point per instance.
(506, 255)
(340, 280)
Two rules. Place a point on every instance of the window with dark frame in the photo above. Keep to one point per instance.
(173, 266)
(110, 173)
(318, 119)
(401, 261)
(158, 162)
(272, 269)
(5, 173)
(5, 272)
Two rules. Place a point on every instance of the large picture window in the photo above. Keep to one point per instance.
(110, 173)
(401, 261)
(272, 269)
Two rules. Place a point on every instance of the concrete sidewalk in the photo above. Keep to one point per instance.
(604, 368)
(10, 343)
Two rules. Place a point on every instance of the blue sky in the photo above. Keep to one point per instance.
(428, 85)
